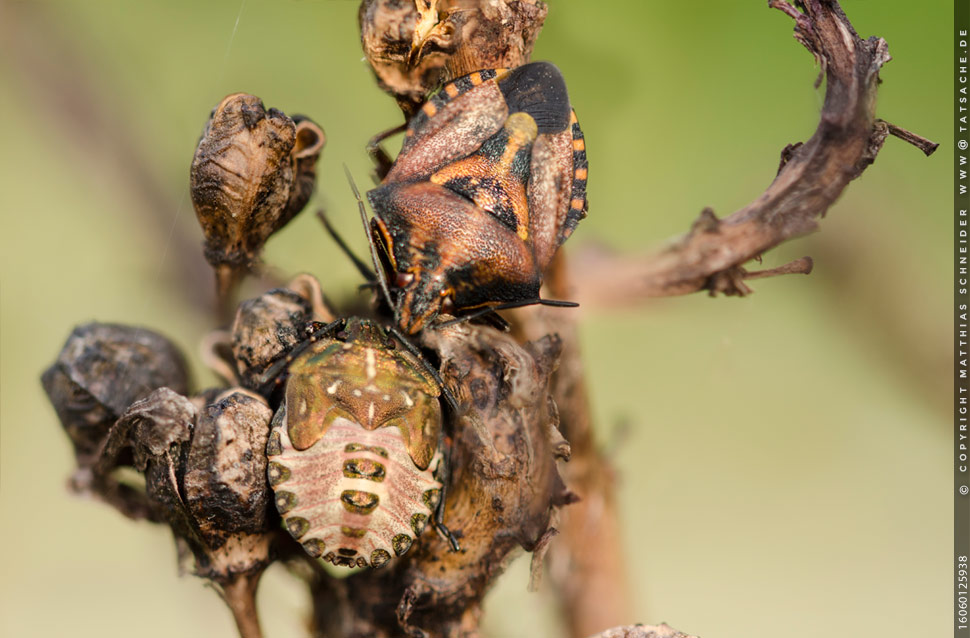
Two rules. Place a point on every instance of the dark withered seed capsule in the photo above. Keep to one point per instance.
(101, 370)
(224, 482)
(153, 437)
(264, 329)
(205, 474)
(413, 47)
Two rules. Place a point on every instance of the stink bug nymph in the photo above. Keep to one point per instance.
(354, 450)
(490, 181)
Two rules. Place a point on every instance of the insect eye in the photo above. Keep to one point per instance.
(403, 279)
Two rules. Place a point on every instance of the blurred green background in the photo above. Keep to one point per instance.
(784, 458)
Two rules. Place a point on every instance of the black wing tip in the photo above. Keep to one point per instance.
(539, 89)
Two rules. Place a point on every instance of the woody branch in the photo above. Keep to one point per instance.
(810, 178)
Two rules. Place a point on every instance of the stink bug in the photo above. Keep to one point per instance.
(490, 181)
(354, 454)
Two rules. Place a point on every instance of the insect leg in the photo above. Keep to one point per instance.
(382, 160)
(445, 392)
(438, 519)
(362, 268)
(270, 378)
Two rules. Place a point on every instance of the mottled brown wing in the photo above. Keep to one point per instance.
(451, 125)
(483, 259)
(557, 189)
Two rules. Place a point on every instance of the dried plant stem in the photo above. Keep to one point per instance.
(927, 146)
(240, 596)
(586, 562)
(228, 278)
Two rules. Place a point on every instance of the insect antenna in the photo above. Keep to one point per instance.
(362, 268)
(481, 312)
(497, 321)
(270, 379)
(413, 349)
(378, 270)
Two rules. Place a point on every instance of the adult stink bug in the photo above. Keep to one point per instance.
(490, 181)
(354, 450)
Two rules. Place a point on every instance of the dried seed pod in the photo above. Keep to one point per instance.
(101, 370)
(205, 475)
(267, 327)
(150, 436)
(228, 498)
(253, 171)
(224, 483)
(506, 484)
(414, 47)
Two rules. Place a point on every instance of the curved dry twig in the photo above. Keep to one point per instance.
(810, 178)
